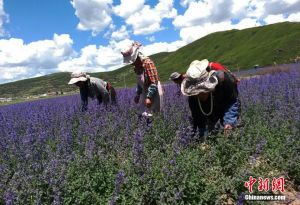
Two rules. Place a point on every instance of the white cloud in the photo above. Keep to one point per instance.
(121, 34)
(19, 60)
(184, 3)
(110, 30)
(165, 9)
(246, 23)
(193, 15)
(204, 17)
(162, 47)
(148, 20)
(239, 8)
(189, 34)
(3, 19)
(216, 11)
(294, 17)
(275, 7)
(256, 8)
(151, 39)
(205, 11)
(142, 24)
(128, 7)
(193, 33)
(107, 58)
(93, 15)
(274, 19)
(93, 59)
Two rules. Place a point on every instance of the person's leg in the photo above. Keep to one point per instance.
(214, 125)
(239, 120)
(113, 95)
(141, 106)
(99, 98)
(161, 95)
(155, 107)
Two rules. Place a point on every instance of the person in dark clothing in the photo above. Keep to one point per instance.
(94, 88)
(213, 98)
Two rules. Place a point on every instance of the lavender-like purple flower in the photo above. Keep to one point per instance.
(39, 139)
(118, 183)
(138, 148)
(241, 199)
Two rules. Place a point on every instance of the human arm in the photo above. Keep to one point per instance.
(152, 80)
(138, 91)
(232, 114)
(84, 99)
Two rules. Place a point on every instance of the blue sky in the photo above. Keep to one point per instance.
(34, 20)
(39, 37)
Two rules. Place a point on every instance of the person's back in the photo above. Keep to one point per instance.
(98, 88)
(102, 90)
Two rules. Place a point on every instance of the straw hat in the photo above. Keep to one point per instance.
(174, 76)
(198, 79)
(78, 76)
(130, 54)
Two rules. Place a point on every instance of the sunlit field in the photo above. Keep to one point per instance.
(52, 153)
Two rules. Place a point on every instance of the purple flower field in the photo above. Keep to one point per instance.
(52, 153)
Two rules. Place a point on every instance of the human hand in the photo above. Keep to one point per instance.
(148, 103)
(137, 99)
(227, 129)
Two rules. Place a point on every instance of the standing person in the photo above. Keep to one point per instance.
(213, 98)
(149, 92)
(92, 87)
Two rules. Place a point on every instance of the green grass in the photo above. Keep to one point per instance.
(237, 49)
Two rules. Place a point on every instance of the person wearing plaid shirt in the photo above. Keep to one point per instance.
(148, 89)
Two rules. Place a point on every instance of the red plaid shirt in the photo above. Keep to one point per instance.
(151, 74)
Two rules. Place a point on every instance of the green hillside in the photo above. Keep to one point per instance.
(237, 49)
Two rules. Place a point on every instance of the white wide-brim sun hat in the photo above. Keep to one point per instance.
(198, 79)
(131, 58)
(77, 76)
(131, 53)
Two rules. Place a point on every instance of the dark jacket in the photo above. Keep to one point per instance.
(226, 105)
(93, 87)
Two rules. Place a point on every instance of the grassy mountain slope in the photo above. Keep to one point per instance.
(237, 49)
(240, 48)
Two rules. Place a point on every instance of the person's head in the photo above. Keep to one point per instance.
(78, 78)
(79, 84)
(199, 80)
(177, 77)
